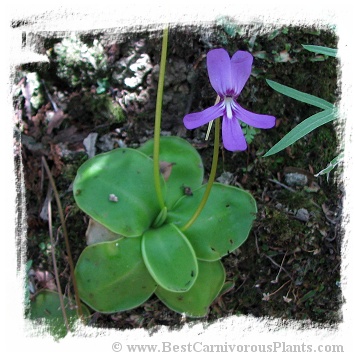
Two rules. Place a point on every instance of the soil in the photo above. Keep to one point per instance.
(289, 267)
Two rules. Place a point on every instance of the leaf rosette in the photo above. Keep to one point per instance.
(136, 249)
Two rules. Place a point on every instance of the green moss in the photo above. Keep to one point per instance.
(99, 108)
(280, 229)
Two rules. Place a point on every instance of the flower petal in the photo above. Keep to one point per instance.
(256, 120)
(232, 134)
(240, 70)
(219, 71)
(194, 120)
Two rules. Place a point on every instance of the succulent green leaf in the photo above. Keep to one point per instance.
(187, 166)
(112, 276)
(46, 306)
(303, 128)
(300, 96)
(224, 223)
(170, 258)
(117, 190)
(196, 301)
(160, 218)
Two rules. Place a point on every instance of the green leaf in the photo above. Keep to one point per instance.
(249, 132)
(321, 50)
(308, 296)
(300, 96)
(112, 276)
(170, 258)
(224, 223)
(117, 190)
(303, 128)
(46, 306)
(331, 166)
(196, 301)
(187, 169)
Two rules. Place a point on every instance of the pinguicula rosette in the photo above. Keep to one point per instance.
(136, 249)
(228, 77)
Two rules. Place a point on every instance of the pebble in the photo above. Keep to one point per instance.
(296, 179)
(302, 214)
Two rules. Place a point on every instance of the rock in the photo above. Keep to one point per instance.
(296, 179)
(302, 214)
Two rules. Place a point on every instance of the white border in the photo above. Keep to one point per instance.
(49, 16)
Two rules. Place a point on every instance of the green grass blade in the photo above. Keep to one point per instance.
(300, 96)
(302, 129)
(331, 166)
(332, 52)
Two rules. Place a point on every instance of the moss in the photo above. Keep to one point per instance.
(97, 108)
(280, 229)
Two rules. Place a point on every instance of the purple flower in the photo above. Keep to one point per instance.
(228, 77)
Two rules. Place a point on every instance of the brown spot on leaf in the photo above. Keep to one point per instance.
(166, 168)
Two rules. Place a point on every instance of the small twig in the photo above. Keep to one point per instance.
(56, 275)
(244, 281)
(279, 266)
(276, 280)
(287, 282)
(282, 185)
(70, 259)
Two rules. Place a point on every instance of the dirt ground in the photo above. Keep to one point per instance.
(289, 267)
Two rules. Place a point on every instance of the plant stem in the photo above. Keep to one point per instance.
(65, 234)
(55, 268)
(210, 179)
(157, 125)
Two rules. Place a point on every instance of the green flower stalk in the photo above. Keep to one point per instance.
(210, 179)
(157, 125)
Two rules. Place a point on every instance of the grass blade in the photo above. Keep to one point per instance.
(302, 129)
(331, 166)
(300, 96)
(332, 52)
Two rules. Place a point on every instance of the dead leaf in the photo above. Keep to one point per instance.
(165, 169)
(289, 152)
(326, 210)
(68, 135)
(278, 122)
(97, 233)
(56, 155)
(284, 56)
(45, 280)
(89, 143)
(56, 120)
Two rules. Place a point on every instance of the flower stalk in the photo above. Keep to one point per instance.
(157, 125)
(212, 175)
